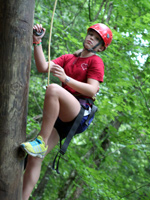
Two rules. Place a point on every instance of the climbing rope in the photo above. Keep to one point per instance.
(49, 44)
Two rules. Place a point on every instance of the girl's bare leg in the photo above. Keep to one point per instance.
(33, 167)
(58, 102)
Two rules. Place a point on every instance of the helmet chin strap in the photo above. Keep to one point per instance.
(92, 49)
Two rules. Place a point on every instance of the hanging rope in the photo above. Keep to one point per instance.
(49, 44)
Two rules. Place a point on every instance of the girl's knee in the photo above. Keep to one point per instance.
(52, 90)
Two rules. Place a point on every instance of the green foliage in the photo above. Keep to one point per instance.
(111, 159)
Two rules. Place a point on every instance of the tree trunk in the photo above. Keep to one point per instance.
(16, 22)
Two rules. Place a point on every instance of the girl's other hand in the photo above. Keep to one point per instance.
(58, 72)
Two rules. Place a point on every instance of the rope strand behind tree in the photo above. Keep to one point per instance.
(50, 36)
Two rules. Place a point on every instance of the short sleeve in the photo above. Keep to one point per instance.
(96, 69)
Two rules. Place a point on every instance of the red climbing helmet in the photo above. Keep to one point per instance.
(104, 32)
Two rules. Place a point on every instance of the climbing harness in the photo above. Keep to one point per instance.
(63, 148)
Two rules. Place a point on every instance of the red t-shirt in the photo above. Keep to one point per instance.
(81, 69)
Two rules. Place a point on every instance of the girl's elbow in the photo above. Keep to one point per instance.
(92, 94)
(41, 70)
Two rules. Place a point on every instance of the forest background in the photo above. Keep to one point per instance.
(111, 160)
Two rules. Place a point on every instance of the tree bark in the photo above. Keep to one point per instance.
(16, 22)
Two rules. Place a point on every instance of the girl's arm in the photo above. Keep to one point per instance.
(41, 63)
(87, 89)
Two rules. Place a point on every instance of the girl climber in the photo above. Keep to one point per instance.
(80, 76)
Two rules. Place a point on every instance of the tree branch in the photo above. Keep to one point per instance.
(96, 16)
(148, 184)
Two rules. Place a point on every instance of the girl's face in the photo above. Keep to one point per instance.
(92, 39)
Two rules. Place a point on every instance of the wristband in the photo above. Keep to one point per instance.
(67, 79)
(37, 43)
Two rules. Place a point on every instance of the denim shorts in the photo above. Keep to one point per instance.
(63, 128)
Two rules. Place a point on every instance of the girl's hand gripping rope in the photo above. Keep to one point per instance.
(58, 72)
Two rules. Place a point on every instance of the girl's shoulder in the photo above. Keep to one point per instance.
(68, 56)
(94, 59)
